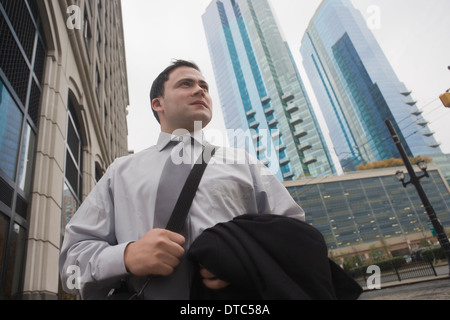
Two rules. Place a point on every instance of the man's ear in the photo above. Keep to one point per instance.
(156, 105)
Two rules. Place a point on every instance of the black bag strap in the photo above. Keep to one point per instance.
(183, 205)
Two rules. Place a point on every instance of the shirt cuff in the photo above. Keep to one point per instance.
(111, 262)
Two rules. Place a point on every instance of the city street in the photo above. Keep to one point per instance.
(436, 288)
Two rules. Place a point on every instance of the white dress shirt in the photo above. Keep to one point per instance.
(120, 209)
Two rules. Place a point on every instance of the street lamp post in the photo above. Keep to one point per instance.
(422, 166)
(415, 180)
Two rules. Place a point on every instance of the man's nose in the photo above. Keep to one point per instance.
(199, 89)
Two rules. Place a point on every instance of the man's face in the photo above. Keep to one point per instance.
(186, 100)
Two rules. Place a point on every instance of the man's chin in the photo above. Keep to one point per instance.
(201, 122)
(196, 125)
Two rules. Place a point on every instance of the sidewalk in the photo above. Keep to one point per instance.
(427, 288)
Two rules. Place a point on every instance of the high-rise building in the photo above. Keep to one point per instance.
(63, 108)
(264, 102)
(357, 89)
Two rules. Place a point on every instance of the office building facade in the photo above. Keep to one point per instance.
(371, 208)
(265, 106)
(442, 161)
(63, 100)
(357, 89)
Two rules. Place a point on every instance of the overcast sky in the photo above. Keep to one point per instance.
(414, 35)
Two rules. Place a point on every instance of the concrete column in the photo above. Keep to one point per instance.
(44, 239)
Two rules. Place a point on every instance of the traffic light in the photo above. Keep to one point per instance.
(445, 98)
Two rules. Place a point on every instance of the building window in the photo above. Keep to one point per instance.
(4, 226)
(11, 119)
(99, 172)
(15, 257)
(73, 168)
(72, 189)
(22, 65)
(26, 159)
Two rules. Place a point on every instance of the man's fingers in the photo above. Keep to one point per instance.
(206, 274)
(216, 284)
(176, 237)
(169, 242)
(158, 252)
(211, 281)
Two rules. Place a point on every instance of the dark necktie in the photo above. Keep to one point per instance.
(174, 174)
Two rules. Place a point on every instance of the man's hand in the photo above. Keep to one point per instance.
(211, 281)
(158, 252)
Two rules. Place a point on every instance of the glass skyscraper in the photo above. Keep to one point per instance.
(358, 90)
(264, 102)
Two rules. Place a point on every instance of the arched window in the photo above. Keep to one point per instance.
(73, 167)
(99, 172)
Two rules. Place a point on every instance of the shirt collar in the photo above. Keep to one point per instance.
(165, 138)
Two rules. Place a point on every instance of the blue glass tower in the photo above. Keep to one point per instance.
(264, 102)
(358, 90)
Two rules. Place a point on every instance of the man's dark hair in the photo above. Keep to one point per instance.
(157, 89)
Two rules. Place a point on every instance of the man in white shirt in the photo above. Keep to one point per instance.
(115, 233)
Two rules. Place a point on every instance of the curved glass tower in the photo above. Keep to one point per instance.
(264, 102)
(357, 89)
